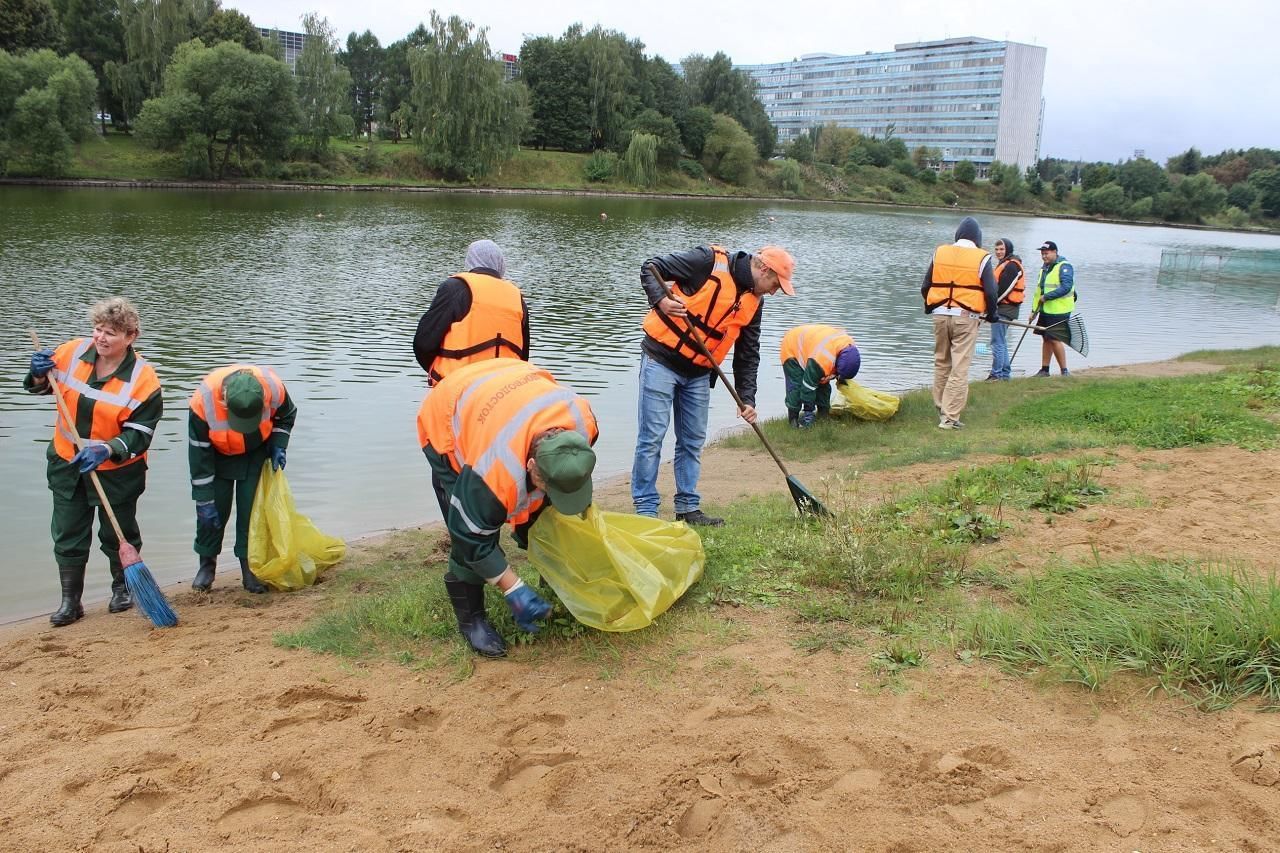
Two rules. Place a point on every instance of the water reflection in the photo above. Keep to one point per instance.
(328, 288)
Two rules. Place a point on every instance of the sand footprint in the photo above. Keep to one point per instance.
(520, 772)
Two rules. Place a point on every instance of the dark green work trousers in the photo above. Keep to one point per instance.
(225, 489)
(72, 525)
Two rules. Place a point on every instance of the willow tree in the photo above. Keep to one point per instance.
(323, 85)
(640, 163)
(467, 118)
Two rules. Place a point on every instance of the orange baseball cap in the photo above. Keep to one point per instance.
(780, 261)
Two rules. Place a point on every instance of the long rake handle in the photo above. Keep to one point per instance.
(702, 345)
(1023, 338)
(71, 424)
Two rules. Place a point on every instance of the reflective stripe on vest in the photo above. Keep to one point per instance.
(493, 328)
(817, 342)
(957, 279)
(485, 416)
(207, 402)
(113, 403)
(1062, 304)
(717, 310)
(1018, 292)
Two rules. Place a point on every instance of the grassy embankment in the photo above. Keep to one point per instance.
(904, 578)
(121, 157)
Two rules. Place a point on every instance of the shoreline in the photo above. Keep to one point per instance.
(11, 628)
(226, 186)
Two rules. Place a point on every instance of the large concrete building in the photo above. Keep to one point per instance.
(291, 44)
(971, 98)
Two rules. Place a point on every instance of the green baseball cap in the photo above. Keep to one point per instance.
(243, 394)
(565, 461)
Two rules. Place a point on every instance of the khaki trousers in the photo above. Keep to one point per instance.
(954, 339)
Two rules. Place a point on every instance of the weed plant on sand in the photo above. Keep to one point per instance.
(1209, 633)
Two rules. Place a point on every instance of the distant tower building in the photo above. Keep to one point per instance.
(291, 43)
(970, 98)
(510, 65)
(1139, 153)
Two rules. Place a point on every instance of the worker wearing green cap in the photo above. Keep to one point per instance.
(240, 417)
(504, 439)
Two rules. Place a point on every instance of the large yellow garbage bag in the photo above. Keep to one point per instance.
(286, 551)
(615, 572)
(862, 402)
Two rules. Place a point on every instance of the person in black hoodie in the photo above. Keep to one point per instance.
(959, 290)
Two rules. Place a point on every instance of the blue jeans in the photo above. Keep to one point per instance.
(663, 391)
(1000, 364)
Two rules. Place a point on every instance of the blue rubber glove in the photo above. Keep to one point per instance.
(41, 362)
(91, 457)
(807, 417)
(526, 606)
(207, 514)
(277, 458)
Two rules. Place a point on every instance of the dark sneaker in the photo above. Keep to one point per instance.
(1066, 372)
(1044, 371)
(949, 424)
(698, 518)
(991, 377)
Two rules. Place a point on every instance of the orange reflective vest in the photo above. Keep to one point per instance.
(957, 279)
(486, 415)
(818, 342)
(207, 401)
(718, 310)
(493, 328)
(113, 403)
(1018, 293)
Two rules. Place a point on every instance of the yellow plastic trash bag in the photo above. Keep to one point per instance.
(614, 571)
(286, 551)
(862, 402)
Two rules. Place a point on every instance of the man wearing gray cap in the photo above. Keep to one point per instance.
(475, 315)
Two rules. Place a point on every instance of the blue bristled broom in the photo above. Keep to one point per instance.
(137, 577)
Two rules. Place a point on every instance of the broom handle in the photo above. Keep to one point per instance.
(71, 424)
(702, 345)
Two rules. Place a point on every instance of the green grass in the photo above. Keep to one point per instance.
(1236, 357)
(904, 579)
(1208, 633)
(1221, 408)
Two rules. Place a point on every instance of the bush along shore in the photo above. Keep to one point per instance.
(942, 547)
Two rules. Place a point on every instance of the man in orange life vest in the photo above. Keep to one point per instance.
(959, 290)
(504, 438)
(722, 295)
(240, 417)
(1011, 286)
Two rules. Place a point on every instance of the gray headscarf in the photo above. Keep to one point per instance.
(485, 253)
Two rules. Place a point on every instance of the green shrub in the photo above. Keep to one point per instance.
(905, 167)
(949, 198)
(600, 166)
(790, 179)
(692, 168)
(927, 176)
(897, 183)
(640, 163)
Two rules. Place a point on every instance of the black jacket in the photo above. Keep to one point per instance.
(451, 303)
(689, 271)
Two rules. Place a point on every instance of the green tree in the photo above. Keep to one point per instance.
(556, 76)
(800, 149)
(1141, 177)
(1189, 162)
(323, 86)
(721, 88)
(1095, 176)
(835, 144)
(1196, 197)
(790, 177)
(965, 172)
(1035, 184)
(665, 133)
(28, 25)
(230, 25)
(92, 31)
(695, 126)
(218, 100)
(1061, 186)
(467, 118)
(45, 107)
(1242, 196)
(605, 53)
(1106, 200)
(395, 110)
(363, 58)
(926, 156)
(1231, 172)
(153, 29)
(1266, 183)
(730, 153)
(640, 163)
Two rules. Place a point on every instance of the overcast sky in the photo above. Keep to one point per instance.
(1119, 75)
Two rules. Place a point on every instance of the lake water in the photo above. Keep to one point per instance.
(327, 287)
